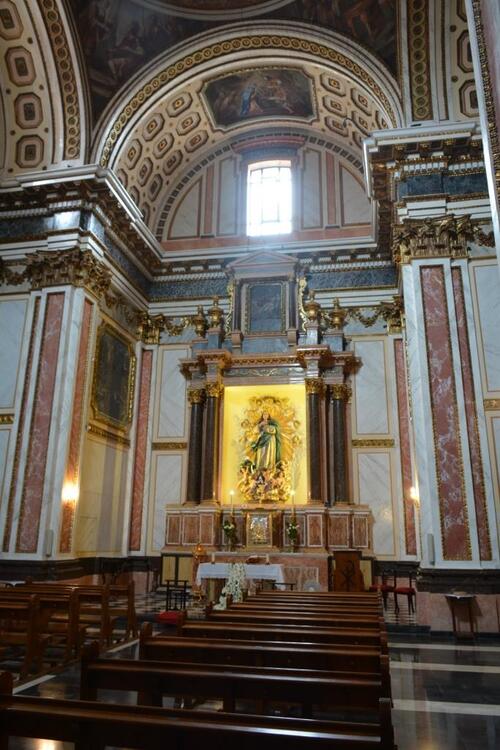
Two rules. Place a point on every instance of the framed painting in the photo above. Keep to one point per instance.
(259, 529)
(265, 308)
(258, 93)
(114, 378)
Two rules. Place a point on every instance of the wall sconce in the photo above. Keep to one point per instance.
(70, 492)
(415, 496)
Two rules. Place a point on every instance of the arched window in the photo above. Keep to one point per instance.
(269, 198)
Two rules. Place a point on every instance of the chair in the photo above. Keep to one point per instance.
(385, 586)
(408, 591)
(177, 595)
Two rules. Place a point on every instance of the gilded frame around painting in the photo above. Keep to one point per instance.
(113, 382)
(259, 530)
(265, 308)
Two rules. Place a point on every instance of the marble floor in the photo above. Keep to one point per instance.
(446, 694)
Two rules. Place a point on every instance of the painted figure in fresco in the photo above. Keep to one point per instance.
(267, 447)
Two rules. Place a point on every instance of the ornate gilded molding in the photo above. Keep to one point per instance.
(441, 237)
(218, 50)
(418, 58)
(492, 404)
(373, 443)
(196, 395)
(6, 419)
(150, 327)
(79, 268)
(340, 392)
(214, 390)
(391, 312)
(66, 74)
(92, 429)
(160, 446)
(314, 386)
(101, 410)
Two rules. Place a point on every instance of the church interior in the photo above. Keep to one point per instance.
(250, 325)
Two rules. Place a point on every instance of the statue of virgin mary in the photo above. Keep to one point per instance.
(267, 447)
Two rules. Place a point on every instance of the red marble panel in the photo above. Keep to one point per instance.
(445, 422)
(338, 531)
(140, 452)
(173, 535)
(190, 529)
(315, 530)
(20, 431)
(207, 528)
(73, 464)
(471, 417)
(31, 503)
(360, 531)
(405, 449)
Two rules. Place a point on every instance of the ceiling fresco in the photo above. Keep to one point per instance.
(118, 37)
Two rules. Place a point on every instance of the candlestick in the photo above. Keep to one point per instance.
(231, 495)
(213, 558)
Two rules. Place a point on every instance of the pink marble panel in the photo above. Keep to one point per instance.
(207, 528)
(20, 431)
(471, 417)
(73, 464)
(190, 529)
(360, 537)
(31, 503)
(173, 535)
(434, 610)
(314, 530)
(338, 531)
(445, 422)
(140, 452)
(404, 448)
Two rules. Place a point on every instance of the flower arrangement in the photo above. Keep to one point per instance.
(234, 586)
(292, 529)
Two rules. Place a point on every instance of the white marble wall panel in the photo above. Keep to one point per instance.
(371, 389)
(495, 424)
(168, 489)
(356, 208)
(172, 395)
(12, 322)
(312, 190)
(375, 490)
(228, 198)
(186, 221)
(4, 446)
(488, 301)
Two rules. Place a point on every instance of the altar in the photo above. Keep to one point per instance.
(252, 572)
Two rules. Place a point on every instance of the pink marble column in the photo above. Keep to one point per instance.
(21, 428)
(471, 418)
(445, 419)
(140, 452)
(405, 448)
(34, 477)
(73, 464)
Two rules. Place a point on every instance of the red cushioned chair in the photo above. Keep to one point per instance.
(408, 591)
(387, 585)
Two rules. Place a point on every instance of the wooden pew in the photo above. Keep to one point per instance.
(238, 631)
(19, 626)
(343, 620)
(67, 635)
(265, 654)
(334, 692)
(92, 726)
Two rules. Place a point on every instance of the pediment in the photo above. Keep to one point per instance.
(262, 263)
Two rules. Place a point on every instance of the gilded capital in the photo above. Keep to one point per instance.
(340, 392)
(440, 237)
(76, 267)
(196, 395)
(214, 390)
(315, 386)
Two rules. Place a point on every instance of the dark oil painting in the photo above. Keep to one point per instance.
(265, 313)
(113, 378)
(259, 92)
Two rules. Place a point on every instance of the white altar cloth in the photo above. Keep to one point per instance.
(221, 570)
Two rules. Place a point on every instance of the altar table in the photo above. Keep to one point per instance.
(258, 572)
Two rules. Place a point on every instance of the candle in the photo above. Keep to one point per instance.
(267, 559)
(293, 497)
(213, 558)
(231, 495)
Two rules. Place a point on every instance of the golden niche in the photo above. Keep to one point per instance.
(270, 441)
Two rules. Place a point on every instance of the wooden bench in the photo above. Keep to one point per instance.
(333, 692)
(337, 636)
(265, 654)
(93, 726)
(344, 620)
(19, 627)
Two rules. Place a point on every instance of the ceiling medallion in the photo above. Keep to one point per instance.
(215, 9)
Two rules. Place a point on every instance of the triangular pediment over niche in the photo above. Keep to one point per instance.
(262, 263)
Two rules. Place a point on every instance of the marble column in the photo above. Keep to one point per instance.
(339, 395)
(209, 475)
(196, 398)
(314, 391)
